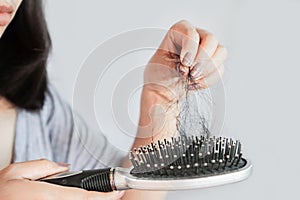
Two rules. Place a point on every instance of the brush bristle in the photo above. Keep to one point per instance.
(187, 157)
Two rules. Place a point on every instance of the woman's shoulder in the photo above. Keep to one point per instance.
(56, 110)
(37, 132)
(64, 136)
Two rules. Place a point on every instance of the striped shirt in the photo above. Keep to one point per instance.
(52, 133)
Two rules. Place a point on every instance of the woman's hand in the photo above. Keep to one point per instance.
(188, 51)
(188, 59)
(17, 181)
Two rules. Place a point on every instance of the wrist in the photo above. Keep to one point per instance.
(158, 113)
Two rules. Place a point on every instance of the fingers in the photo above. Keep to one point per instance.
(33, 170)
(185, 38)
(208, 45)
(213, 78)
(66, 193)
(208, 80)
(207, 48)
(41, 190)
(201, 55)
(198, 52)
(206, 67)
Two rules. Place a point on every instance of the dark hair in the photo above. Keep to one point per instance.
(24, 50)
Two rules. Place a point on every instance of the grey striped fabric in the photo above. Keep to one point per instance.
(51, 133)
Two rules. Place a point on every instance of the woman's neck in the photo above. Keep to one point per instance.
(5, 105)
(8, 116)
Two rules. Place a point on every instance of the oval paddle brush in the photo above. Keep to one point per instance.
(177, 164)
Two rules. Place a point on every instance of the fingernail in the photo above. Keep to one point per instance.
(196, 69)
(184, 69)
(187, 59)
(182, 73)
(121, 194)
(63, 164)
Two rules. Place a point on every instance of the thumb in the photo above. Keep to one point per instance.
(35, 169)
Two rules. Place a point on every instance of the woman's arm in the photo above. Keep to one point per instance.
(188, 59)
(149, 101)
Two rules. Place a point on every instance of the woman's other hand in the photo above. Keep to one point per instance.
(17, 181)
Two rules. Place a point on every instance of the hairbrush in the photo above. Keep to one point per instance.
(176, 164)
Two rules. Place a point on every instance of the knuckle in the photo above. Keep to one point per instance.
(190, 31)
(210, 37)
(221, 56)
(174, 27)
(183, 27)
(180, 23)
(46, 164)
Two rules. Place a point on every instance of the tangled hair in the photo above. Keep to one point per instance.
(24, 50)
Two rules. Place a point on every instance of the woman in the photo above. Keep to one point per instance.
(35, 123)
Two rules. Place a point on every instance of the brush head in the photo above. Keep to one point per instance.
(187, 157)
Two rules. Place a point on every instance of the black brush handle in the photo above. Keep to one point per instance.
(92, 180)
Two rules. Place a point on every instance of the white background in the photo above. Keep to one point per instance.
(261, 81)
